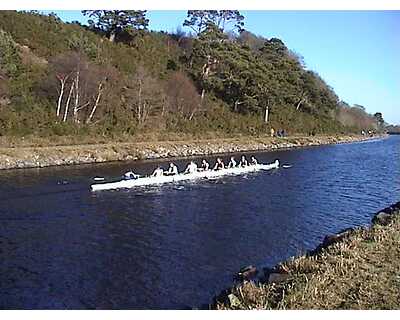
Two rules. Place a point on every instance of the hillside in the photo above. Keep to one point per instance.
(65, 79)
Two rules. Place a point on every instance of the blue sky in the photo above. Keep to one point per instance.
(355, 52)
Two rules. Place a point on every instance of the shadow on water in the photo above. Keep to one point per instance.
(177, 245)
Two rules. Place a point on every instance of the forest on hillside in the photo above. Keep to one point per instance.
(116, 78)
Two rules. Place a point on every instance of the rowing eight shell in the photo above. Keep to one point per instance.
(182, 177)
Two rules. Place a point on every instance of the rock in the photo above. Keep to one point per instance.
(277, 277)
(234, 301)
(247, 273)
(331, 239)
(382, 218)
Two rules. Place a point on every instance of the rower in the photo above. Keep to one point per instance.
(130, 175)
(243, 162)
(173, 169)
(232, 163)
(219, 164)
(253, 161)
(191, 168)
(159, 172)
(205, 165)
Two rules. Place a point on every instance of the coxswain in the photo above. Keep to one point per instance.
(243, 162)
(253, 161)
(205, 165)
(173, 169)
(232, 163)
(159, 172)
(219, 164)
(191, 168)
(130, 175)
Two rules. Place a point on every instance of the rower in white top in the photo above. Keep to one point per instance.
(130, 175)
(232, 163)
(243, 162)
(253, 161)
(219, 165)
(159, 172)
(173, 169)
(205, 165)
(191, 168)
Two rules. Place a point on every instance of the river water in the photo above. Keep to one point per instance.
(175, 246)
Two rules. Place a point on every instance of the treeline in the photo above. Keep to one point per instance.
(392, 129)
(358, 119)
(114, 77)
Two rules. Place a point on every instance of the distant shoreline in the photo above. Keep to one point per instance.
(39, 157)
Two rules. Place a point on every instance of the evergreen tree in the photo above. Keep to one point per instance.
(200, 20)
(113, 22)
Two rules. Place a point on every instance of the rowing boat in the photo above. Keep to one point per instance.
(146, 181)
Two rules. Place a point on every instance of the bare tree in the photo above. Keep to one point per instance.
(66, 68)
(63, 78)
(144, 95)
(355, 117)
(62, 66)
(182, 95)
(80, 87)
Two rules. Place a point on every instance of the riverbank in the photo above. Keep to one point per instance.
(355, 269)
(41, 156)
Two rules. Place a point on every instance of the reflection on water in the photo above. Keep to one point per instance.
(175, 246)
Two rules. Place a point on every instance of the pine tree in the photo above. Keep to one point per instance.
(112, 22)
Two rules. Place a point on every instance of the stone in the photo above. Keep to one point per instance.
(382, 218)
(334, 238)
(247, 273)
(234, 301)
(277, 277)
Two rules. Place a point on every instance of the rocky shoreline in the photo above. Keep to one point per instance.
(282, 276)
(38, 157)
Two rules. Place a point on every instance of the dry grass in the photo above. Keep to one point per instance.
(361, 272)
(36, 141)
(152, 137)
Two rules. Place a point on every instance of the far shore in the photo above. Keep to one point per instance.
(41, 156)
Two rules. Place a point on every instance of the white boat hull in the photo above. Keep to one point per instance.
(146, 181)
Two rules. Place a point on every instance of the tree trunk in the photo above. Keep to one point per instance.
(237, 103)
(76, 97)
(139, 113)
(192, 114)
(203, 93)
(62, 81)
(68, 100)
(266, 114)
(112, 36)
(299, 104)
(235, 108)
(205, 73)
(100, 90)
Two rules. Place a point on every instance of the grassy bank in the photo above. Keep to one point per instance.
(360, 271)
(27, 156)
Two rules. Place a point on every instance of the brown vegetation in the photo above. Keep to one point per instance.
(183, 97)
(356, 117)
